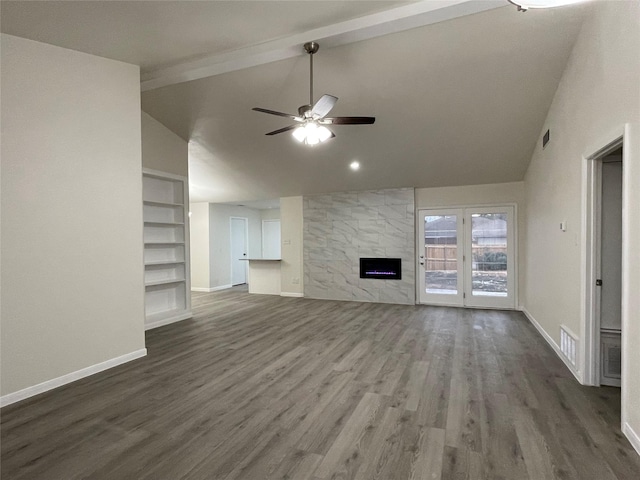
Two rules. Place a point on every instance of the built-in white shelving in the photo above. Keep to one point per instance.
(166, 248)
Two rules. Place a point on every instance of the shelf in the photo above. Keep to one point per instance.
(166, 248)
(164, 224)
(151, 244)
(164, 253)
(162, 204)
(164, 262)
(164, 282)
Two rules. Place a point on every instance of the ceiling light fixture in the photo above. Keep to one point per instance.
(524, 5)
(311, 133)
(354, 166)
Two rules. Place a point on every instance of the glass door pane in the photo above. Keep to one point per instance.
(440, 258)
(489, 258)
(489, 242)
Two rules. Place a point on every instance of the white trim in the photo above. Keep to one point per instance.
(632, 436)
(552, 343)
(69, 377)
(590, 261)
(630, 149)
(163, 175)
(292, 294)
(166, 321)
(212, 289)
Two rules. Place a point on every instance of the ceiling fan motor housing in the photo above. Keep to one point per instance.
(304, 111)
(311, 47)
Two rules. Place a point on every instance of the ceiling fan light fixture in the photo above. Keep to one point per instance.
(324, 133)
(300, 134)
(524, 5)
(311, 133)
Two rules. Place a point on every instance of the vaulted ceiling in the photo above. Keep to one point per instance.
(459, 89)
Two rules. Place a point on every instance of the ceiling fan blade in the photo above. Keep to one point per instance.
(281, 130)
(348, 120)
(323, 106)
(280, 114)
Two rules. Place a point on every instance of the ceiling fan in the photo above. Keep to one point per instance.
(310, 128)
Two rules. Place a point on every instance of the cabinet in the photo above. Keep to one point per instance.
(166, 248)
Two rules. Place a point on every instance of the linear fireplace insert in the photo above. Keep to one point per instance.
(385, 268)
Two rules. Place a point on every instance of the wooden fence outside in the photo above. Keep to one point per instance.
(444, 257)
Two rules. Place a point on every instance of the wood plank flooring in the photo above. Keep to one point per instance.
(263, 387)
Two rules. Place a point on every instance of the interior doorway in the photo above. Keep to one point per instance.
(271, 239)
(239, 243)
(608, 267)
(467, 257)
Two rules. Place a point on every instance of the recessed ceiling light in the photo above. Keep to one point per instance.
(354, 166)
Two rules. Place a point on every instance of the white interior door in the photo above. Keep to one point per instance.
(611, 246)
(468, 257)
(239, 243)
(271, 239)
(440, 258)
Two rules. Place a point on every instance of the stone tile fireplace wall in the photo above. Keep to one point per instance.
(340, 228)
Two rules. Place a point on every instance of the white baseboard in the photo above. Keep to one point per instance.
(167, 321)
(553, 344)
(212, 289)
(69, 377)
(292, 294)
(633, 437)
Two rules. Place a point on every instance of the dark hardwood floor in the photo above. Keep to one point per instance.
(263, 387)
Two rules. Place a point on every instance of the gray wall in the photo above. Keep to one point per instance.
(340, 228)
(72, 290)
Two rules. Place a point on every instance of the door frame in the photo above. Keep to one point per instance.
(271, 220)
(592, 213)
(420, 241)
(246, 240)
(512, 263)
(446, 300)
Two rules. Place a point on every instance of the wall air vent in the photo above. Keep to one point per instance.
(611, 358)
(568, 345)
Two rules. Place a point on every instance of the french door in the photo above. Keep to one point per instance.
(466, 257)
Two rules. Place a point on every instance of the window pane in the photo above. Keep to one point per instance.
(489, 247)
(441, 253)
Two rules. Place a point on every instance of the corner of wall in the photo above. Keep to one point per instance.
(291, 222)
